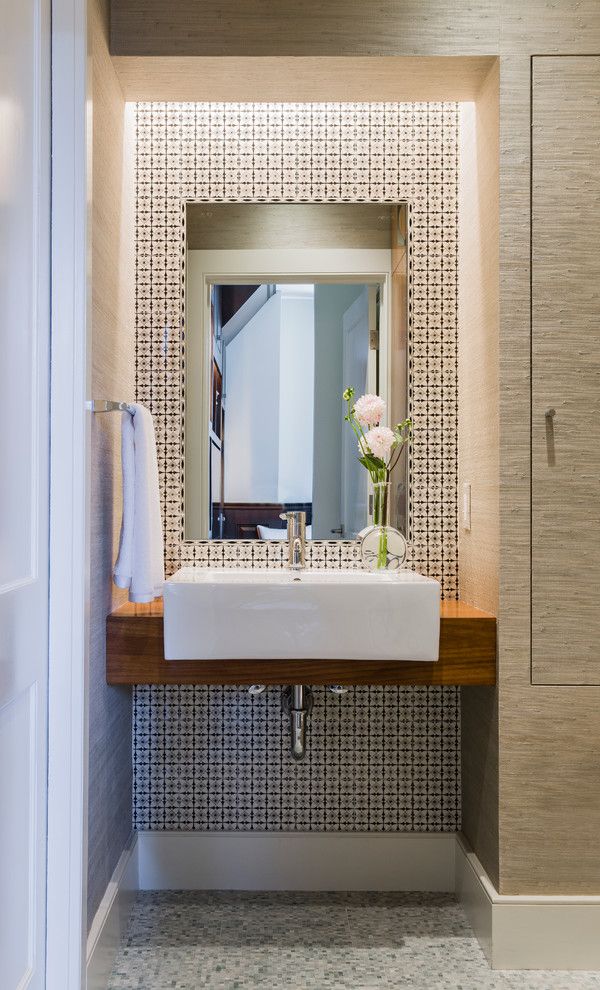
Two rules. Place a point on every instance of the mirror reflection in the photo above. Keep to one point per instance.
(285, 306)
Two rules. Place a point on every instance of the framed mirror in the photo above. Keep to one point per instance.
(285, 305)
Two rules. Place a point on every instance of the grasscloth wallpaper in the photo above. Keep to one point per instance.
(381, 758)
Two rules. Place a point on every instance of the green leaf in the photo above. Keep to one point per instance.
(372, 463)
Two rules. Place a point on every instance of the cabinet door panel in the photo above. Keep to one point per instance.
(566, 370)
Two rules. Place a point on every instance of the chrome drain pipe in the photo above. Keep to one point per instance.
(297, 701)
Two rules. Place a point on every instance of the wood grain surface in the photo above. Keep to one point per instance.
(135, 655)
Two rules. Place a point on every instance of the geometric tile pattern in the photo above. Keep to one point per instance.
(378, 759)
(306, 153)
(230, 940)
(381, 758)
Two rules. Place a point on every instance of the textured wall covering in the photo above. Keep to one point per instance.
(479, 547)
(316, 152)
(109, 708)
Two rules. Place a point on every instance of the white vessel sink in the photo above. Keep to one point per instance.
(215, 614)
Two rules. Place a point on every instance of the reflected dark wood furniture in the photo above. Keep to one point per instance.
(135, 655)
(243, 518)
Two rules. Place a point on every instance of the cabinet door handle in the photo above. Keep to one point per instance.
(550, 449)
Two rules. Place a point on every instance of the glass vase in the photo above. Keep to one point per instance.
(381, 519)
(382, 547)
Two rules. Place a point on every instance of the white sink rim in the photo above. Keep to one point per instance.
(284, 576)
(213, 613)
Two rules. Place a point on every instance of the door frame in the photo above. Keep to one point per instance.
(69, 487)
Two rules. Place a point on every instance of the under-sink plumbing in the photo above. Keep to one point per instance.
(255, 689)
(297, 701)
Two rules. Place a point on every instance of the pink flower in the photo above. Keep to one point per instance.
(380, 441)
(369, 410)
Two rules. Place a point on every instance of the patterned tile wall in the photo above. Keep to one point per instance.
(382, 758)
(378, 759)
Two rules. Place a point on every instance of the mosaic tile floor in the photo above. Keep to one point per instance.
(275, 941)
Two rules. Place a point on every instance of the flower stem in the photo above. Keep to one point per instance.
(382, 549)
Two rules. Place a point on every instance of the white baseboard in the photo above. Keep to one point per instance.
(111, 918)
(515, 932)
(526, 931)
(296, 861)
(474, 895)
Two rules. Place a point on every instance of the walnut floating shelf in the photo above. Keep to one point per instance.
(135, 655)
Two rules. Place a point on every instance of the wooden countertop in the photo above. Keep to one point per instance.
(135, 655)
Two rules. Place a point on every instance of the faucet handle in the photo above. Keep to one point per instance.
(296, 521)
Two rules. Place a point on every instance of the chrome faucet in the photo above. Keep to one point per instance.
(296, 537)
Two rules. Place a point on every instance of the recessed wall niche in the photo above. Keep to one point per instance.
(302, 153)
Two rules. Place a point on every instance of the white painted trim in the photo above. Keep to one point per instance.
(528, 931)
(67, 747)
(111, 919)
(474, 895)
(296, 861)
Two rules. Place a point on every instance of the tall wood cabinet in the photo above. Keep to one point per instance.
(565, 368)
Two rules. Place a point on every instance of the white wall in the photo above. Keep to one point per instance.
(331, 302)
(269, 394)
(252, 413)
(296, 393)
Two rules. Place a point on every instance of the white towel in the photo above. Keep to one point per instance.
(140, 565)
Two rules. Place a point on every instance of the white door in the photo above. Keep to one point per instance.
(24, 371)
(355, 325)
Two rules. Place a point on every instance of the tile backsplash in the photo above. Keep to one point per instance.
(381, 758)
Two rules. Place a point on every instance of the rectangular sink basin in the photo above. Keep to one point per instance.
(218, 614)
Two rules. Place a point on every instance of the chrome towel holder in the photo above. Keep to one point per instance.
(106, 405)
